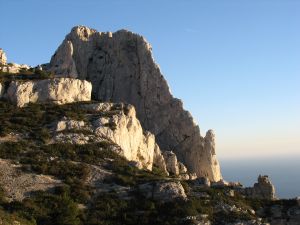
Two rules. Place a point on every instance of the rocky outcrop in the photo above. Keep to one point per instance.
(171, 162)
(210, 166)
(126, 131)
(2, 57)
(159, 160)
(67, 67)
(57, 91)
(119, 124)
(163, 191)
(14, 68)
(68, 124)
(121, 68)
(263, 189)
(174, 167)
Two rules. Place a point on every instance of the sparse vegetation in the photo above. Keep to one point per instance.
(25, 75)
(75, 202)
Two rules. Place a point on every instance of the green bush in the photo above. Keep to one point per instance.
(47, 209)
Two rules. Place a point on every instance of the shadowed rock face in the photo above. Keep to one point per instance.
(121, 69)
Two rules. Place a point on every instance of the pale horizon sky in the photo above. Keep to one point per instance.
(234, 63)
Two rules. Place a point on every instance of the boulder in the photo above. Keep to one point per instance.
(171, 162)
(174, 167)
(121, 68)
(57, 91)
(163, 191)
(69, 124)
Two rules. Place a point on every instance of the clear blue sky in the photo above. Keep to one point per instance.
(235, 63)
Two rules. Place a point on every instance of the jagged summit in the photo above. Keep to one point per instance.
(121, 68)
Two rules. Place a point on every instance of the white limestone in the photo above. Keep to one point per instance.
(69, 125)
(57, 91)
(121, 68)
(3, 58)
(119, 124)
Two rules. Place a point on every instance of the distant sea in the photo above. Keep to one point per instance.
(284, 173)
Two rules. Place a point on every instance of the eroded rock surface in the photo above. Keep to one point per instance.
(121, 68)
(263, 189)
(2, 57)
(124, 129)
(118, 124)
(58, 91)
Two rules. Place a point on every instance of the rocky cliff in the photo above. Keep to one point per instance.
(121, 68)
(58, 91)
(91, 162)
(118, 123)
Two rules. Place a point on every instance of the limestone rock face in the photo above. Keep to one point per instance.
(69, 125)
(2, 57)
(159, 161)
(58, 91)
(174, 167)
(210, 166)
(121, 68)
(65, 60)
(119, 124)
(263, 189)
